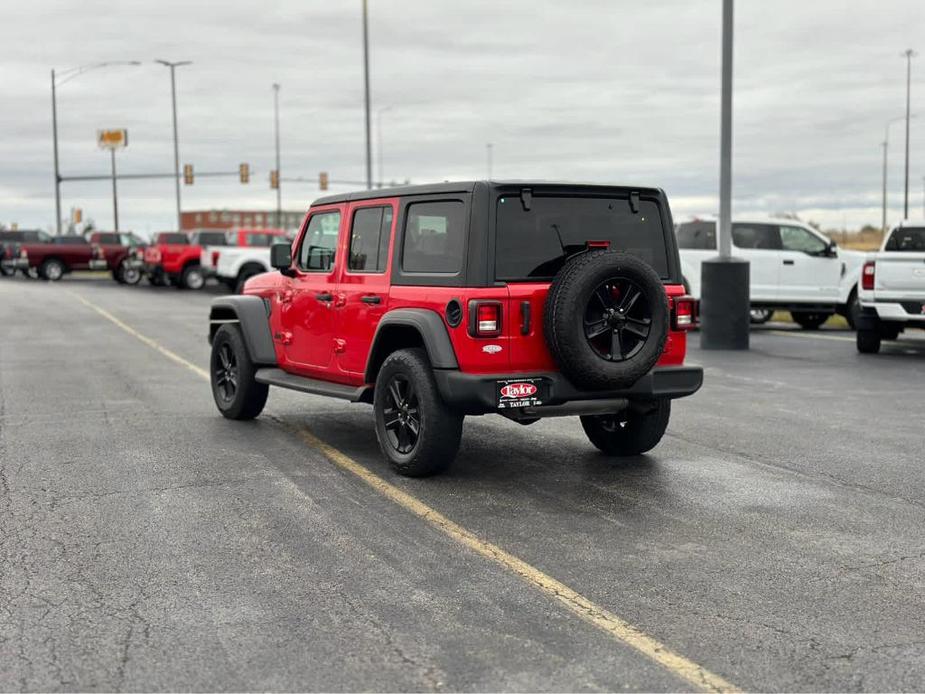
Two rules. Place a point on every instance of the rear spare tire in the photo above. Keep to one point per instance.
(606, 319)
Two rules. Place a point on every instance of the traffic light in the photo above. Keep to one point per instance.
(323, 180)
(274, 179)
(77, 215)
(244, 170)
(188, 174)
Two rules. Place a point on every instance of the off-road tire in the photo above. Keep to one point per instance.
(439, 427)
(628, 432)
(191, 278)
(809, 320)
(249, 397)
(52, 270)
(868, 341)
(564, 327)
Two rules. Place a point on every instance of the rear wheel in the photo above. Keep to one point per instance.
(418, 434)
(628, 432)
(868, 341)
(130, 275)
(760, 316)
(237, 395)
(52, 270)
(192, 278)
(809, 320)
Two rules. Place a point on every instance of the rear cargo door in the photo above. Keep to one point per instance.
(902, 273)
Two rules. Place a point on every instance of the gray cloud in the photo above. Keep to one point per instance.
(602, 91)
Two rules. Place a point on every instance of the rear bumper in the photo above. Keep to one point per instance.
(477, 393)
(873, 313)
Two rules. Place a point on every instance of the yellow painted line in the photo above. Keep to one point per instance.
(618, 628)
(811, 336)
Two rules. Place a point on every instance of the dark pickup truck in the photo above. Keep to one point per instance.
(10, 240)
(120, 249)
(63, 255)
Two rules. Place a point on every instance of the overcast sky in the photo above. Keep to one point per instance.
(607, 91)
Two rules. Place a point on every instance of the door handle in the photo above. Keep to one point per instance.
(324, 296)
(371, 299)
(788, 262)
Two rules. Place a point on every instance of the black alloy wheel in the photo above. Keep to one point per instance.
(402, 417)
(617, 320)
(226, 373)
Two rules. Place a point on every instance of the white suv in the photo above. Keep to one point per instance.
(793, 267)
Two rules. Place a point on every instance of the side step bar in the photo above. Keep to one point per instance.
(278, 377)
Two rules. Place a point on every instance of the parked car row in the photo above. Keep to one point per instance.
(171, 259)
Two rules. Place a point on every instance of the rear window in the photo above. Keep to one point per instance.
(260, 239)
(697, 236)
(534, 244)
(906, 239)
(210, 238)
(11, 235)
(172, 238)
(435, 234)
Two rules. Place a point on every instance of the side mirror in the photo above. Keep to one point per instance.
(281, 258)
(832, 249)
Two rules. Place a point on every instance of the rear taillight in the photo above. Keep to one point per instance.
(215, 258)
(23, 254)
(684, 313)
(484, 318)
(868, 274)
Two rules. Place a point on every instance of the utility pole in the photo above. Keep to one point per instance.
(54, 130)
(176, 145)
(369, 154)
(279, 193)
(886, 146)
(115, 195)
(488, 148)
(908, 53)
(724, 279)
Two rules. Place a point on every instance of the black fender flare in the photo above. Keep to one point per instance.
(252, 314)
(428, 324)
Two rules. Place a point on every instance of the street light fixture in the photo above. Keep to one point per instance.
(57, 79)
(176, 147)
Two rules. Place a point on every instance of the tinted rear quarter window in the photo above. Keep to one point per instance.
(756, 236)
(210, 238)
(911, 239)
(534, 244)
(172, 238)
(697, 236)
(434, 238)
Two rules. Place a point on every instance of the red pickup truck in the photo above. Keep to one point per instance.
(173, 258)
(119, 249)
(63, 255)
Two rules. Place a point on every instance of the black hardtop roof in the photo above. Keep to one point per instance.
(449, 187)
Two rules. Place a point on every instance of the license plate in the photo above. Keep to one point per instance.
(520, 392)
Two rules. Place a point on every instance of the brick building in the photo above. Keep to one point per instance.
(230, 219)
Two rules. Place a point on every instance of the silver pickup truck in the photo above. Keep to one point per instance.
(892, 292)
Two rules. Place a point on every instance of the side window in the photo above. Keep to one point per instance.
(756, 236)
(434, 237)
(697, 235)
(798, 239)
(369, 239)
(319, 244)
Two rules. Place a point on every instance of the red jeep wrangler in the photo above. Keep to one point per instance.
(434, 302)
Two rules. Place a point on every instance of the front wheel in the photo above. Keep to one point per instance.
(131, 275)
(417, 433)
(237, 394)
(192, 278)
(628, 432)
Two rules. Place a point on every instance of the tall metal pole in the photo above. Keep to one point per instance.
(176, 142)
(379, 174)
(908, 53)
(725, 148)
(54, 130)
(115, 195)
(885, 144)
(369, 155)
(279, 193)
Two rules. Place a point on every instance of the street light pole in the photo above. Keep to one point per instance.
(176, 145)
(886, 146)
(54, 131)
(68, 75)
(724, 279)
(908, 53)
(369, 156)
(279, 192)
(379, 142)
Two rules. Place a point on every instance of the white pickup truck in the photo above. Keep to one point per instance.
(247, 254)
(893, 288)
(793, 268)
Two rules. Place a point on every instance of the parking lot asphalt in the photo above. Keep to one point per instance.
(774, 538)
